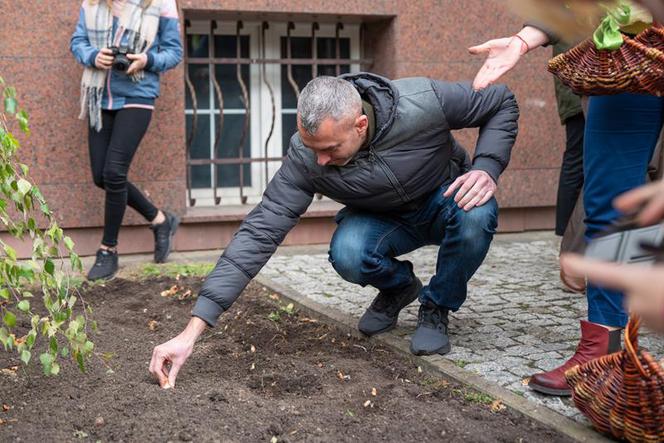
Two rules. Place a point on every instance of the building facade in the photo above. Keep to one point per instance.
(227, 112)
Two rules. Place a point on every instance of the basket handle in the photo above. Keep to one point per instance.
(632, 344)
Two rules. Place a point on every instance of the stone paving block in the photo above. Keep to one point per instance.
(546, 355)
(548, 364)
(460, 354)
(522, 372)
(522, 350)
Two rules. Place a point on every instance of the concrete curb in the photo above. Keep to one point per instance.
(438, 365)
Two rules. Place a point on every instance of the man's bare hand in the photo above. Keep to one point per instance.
(168, 358)
(643, 285)
(475, 188)
(649, 197)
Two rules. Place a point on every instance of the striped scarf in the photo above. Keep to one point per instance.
(138, 22)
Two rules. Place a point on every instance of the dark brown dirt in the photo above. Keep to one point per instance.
(249, 379)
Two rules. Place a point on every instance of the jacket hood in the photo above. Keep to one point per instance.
(383, 96)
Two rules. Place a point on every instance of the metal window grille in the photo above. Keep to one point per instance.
(219, 119)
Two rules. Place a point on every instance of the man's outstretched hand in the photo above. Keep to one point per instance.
(168, 358)
(475, 188)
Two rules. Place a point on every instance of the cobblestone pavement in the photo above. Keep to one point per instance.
(515, 322)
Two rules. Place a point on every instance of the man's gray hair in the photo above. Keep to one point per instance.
(326, 97)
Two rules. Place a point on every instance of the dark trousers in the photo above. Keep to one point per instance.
(571, 172)
(111, 152)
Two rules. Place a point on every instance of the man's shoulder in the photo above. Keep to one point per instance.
(412, 85)
(298, 152)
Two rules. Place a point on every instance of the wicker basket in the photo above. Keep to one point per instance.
(637, 66)
(622, 394)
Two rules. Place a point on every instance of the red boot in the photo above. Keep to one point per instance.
(596, 341)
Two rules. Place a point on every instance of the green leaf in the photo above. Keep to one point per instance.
(30, 340)
(46, 360)
(11, 253)
(10, 105)
(76, 262)
(4, 335)
(69, 243)
(4, 293)
(25, 356)
(49, 266)
(64, 352)
(80, 361)
(88, 347)
(53, 345)
(10, 91)
(24, 168)
(9, 319)
(55, 369)
(22, 118)
(24, 305)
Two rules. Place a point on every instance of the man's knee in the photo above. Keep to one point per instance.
(346, 257)
(481, 221)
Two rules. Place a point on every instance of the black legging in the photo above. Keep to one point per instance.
(111, 152)
(571, 172)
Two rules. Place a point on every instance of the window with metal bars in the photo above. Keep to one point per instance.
(242, 82)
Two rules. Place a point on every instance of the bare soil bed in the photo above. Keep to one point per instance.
(265, 373)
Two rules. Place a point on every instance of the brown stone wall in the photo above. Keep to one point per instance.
(405, 37)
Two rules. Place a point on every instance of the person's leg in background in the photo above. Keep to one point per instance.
(569, 206)
(621, 133)
(98, 143)
(111, 153)
(128, 131)
(571, 172)
(617, 162)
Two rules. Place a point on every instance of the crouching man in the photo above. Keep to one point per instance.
(383, 149)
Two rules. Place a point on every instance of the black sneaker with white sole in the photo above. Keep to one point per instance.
(105, 267)
(163, 236)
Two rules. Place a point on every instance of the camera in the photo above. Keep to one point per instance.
(120, 61)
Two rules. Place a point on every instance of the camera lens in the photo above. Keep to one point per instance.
(121, 63)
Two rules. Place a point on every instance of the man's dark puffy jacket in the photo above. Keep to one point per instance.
(411, 154)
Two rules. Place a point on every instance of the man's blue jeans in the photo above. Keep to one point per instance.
(365, 244)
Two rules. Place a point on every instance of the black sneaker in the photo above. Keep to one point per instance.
(383, 313)
(105, 267)
(163, 236)
(431, 334)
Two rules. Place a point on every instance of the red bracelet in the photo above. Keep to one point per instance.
(522, 41)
